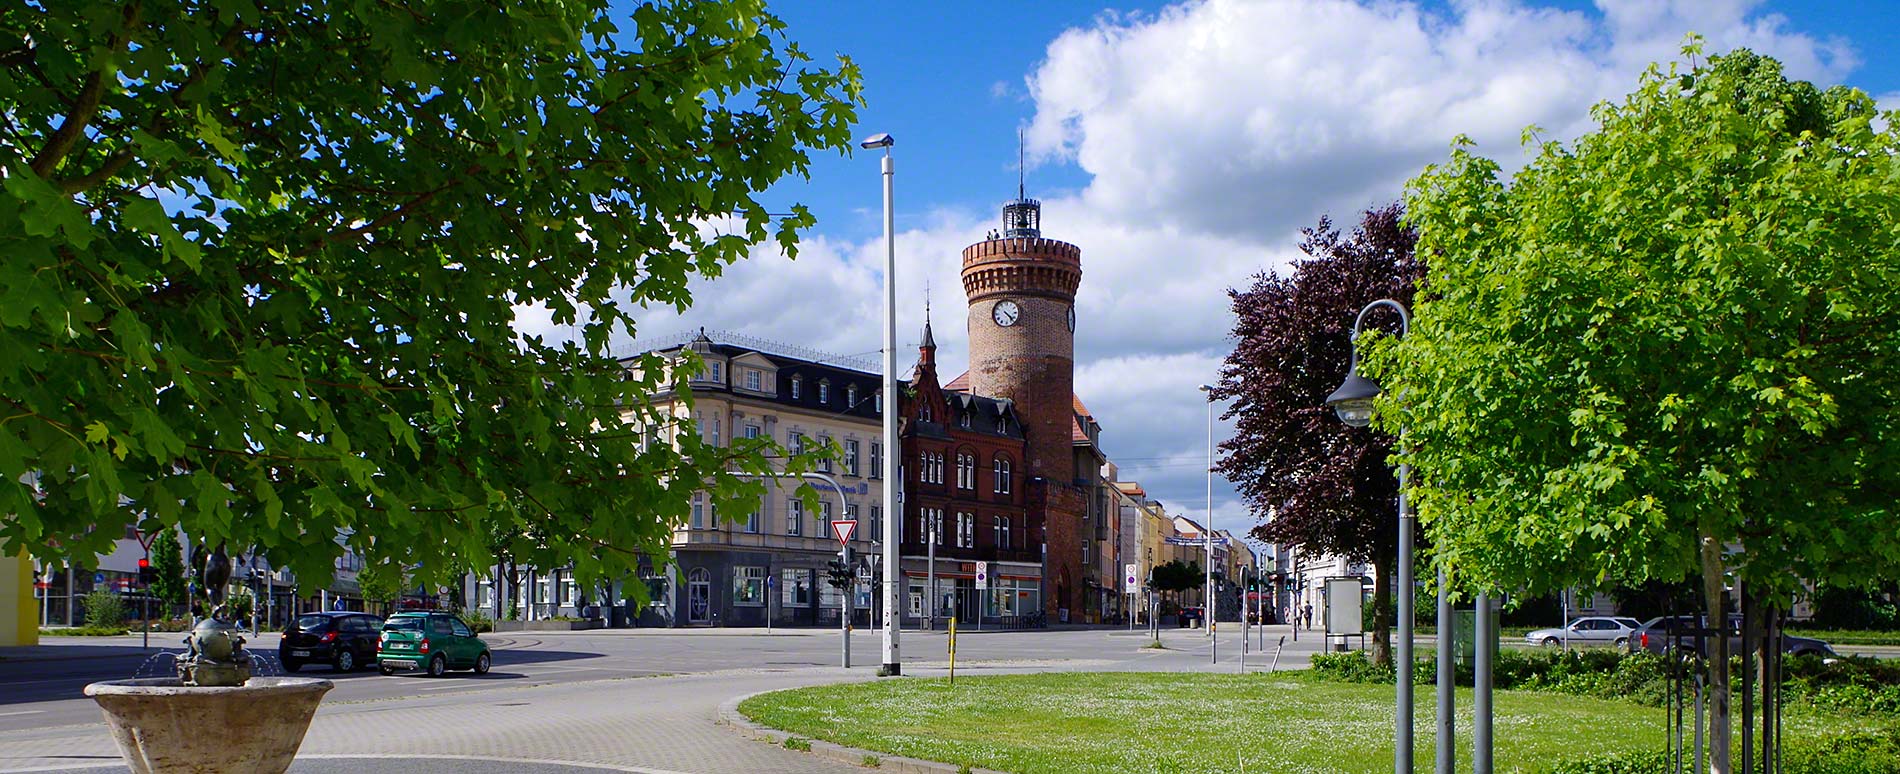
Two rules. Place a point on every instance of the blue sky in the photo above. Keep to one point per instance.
(1182, 146)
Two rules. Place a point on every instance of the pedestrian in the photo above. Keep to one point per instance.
(1307, 613)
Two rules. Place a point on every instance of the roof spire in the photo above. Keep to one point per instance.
(1022, 163)
(930, 341)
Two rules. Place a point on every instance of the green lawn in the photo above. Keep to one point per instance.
(1155, 722)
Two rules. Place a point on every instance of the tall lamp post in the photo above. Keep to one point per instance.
(894, 513)
(1353, 402)
(1207, 539)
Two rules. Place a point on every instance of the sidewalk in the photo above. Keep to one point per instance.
(661, 725)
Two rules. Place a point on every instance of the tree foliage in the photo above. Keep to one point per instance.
(1316, 482)
(1678, 331)
(1177, 576)
(261, 267)
(168, 585)
(1666, 350)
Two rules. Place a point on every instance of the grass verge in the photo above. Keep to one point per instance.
(1131, 722)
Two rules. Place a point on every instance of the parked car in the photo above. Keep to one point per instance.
(1587, 632)
(433, 641)
(1657, 634)
(346, 641)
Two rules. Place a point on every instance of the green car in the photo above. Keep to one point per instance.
(429, 641)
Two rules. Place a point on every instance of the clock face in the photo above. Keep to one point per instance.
(1005, 313)
(1071, 319)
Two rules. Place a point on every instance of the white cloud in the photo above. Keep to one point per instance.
(1247, 118)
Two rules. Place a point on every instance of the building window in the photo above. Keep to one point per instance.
(824, 518)
(851, 457)
(1002, 427)
(797, 384)
(880, 401)
(794, 516)
(796, 588)
(748, 586)
(966, 471)
(923, 412)
(718, 371)
(851, 514)
(936, 459)
(877, 523)
(966, 530)
(877, 460)
(715, 431)
(824, 391)
(796, 442)
(751, 431)
(1001, 484)
(851, 396)
(1002, 533)
(824, 465)
(964, 420)
(752, 379)
(752, 522)
(699, 510)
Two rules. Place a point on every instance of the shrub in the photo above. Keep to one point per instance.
(478, 622)
(1854, 753)
(872, 762)
(797, 743)
(104, 610)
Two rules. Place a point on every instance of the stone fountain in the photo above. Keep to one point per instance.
(214, 716)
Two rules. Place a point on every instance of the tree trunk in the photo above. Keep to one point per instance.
(1716, 599)
(1382, 570)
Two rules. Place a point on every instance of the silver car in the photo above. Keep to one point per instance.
(1599, 631)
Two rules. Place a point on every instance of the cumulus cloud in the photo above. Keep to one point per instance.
(1244, 118)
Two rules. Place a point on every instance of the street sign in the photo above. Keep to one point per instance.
(1130, 583)
(982, 575)
(146, 538)
(1194, 541)
(843, 529)
(98, 578)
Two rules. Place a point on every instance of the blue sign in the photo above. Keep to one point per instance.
(771, 581)
(98, 577)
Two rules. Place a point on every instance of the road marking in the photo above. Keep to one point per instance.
(21, 712)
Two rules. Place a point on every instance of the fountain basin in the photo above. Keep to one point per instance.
(164, 726)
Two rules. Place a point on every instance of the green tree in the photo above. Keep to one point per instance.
(380, 583)
(263, 263)
(168, 567)
(104, 610)
(1666, 350)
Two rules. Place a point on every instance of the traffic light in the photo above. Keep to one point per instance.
(146, 573)
(840, 574)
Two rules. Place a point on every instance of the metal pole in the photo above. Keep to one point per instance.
(1207, 588)
(844, 605)
(1402, 761)
(893, 511)
(1481, 688)
(930, 573)
(1447, 625)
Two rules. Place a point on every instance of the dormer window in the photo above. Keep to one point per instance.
(851, 396)
(797, 384)
(923, 412)
(964, 420)
(753, 379)
(1001, 426)
(824, 391)
(718, 373)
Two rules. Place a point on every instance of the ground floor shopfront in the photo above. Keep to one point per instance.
(736, 587)
(1011, 592)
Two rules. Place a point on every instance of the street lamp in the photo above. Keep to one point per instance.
(1353, 402)
(1207, 539)
(894, 511)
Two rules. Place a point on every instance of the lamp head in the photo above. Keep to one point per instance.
(879, 140)
(1353, 400)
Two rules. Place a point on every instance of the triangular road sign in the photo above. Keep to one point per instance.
(843, 529)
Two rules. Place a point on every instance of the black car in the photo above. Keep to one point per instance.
(1659, 635)
(345, 641)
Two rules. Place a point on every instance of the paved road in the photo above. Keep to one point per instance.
(581, 697)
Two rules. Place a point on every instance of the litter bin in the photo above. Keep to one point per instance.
(617, 616)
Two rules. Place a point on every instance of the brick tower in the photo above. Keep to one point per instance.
(1021, 289)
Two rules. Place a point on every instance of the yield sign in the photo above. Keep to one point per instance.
(843, 529)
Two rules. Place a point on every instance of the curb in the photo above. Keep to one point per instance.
(730, 717)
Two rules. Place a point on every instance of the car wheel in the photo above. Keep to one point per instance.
(345, 661)
(481, 664)
(1622, 643)
(438, 666)
(387, 671)
(1551, 642)
(291, 666)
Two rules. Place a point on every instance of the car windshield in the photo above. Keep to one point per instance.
(311, 623)
(403, 624)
